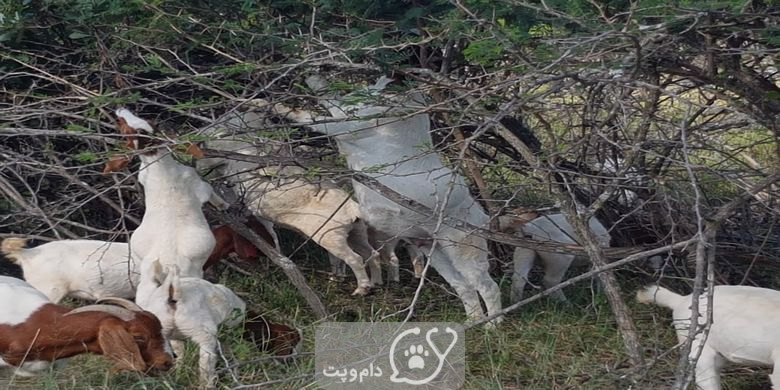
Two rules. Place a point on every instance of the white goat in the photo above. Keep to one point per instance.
(553, 228)
(743, 330)
(388, 148)
(322, 210)
(193, 308)
(84, 269)
(173, 229)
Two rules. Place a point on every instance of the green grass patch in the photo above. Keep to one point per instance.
(544, 345)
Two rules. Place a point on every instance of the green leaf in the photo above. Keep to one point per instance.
(78, 128)
(78, 35)
(236, 69)
(483, 52)
(85, 157)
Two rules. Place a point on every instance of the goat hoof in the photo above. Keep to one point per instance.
(361, 291)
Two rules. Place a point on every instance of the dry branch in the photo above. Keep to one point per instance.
(410, 204)
(289, 268)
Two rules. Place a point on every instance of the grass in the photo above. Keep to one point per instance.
(544, 345)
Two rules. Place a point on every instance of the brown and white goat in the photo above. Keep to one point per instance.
(34, 332)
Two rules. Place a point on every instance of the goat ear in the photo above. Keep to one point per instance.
(157, 272)
(116, 164)
(174, 290)
(173, 296)
(118, 346)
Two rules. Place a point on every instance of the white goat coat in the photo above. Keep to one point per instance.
(553, 228)
(86, 269)
(20, 301)
(744, 328)
(392, 150)
(173, 229)
(200, 308)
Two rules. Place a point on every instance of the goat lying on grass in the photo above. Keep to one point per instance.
(35, 332)
(91, 269)
(85, 269)
(744, 328)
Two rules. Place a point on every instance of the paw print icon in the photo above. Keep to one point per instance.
(417, 365)
(416, 360)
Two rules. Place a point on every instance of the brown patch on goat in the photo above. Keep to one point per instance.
(514, 220)
(229, 241)
(48, 335)
(278, 339)
(129, 132)
(134, 142)
(194, 151)
(116, 164)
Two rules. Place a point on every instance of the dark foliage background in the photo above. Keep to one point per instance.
(684, 95)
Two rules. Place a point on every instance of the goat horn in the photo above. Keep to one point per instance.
(127, 304)
(121, 312)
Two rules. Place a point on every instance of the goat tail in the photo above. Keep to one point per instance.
(658, 295)
(11, 248)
